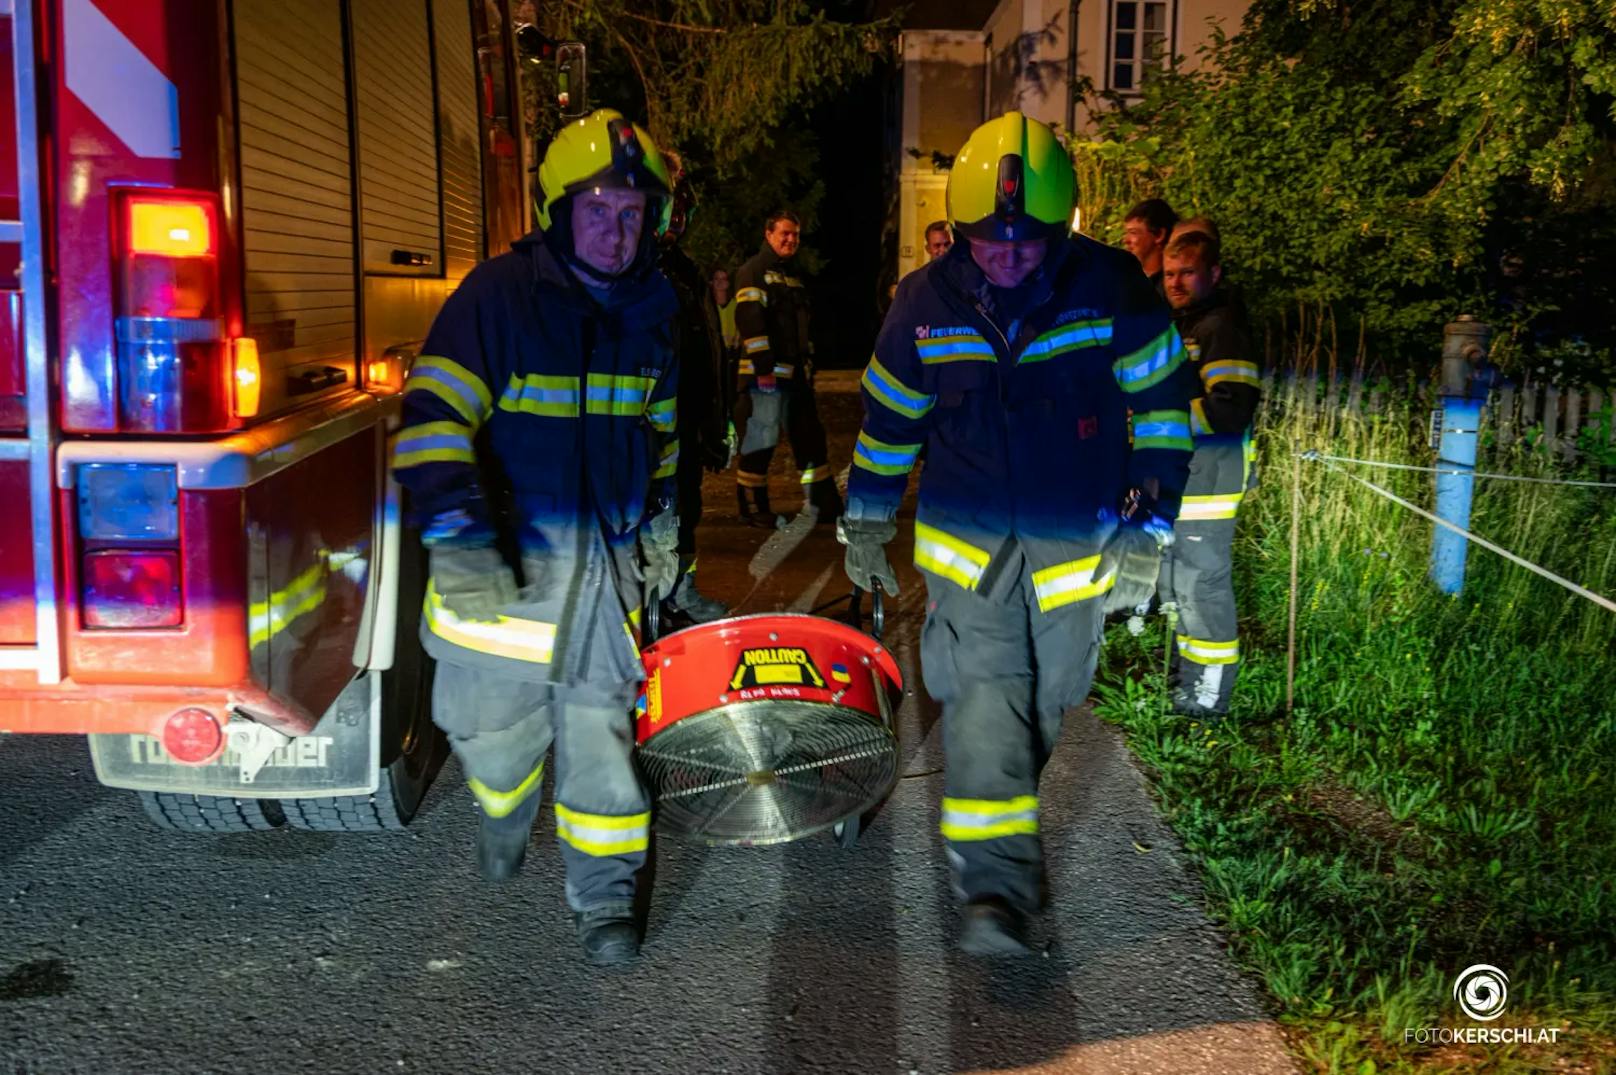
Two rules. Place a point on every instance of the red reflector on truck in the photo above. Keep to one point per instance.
(192, 736)
(131, 589)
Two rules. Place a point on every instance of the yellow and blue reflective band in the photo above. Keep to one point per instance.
(508, 636)
(784, 371)
(452, 383)
(1162, 429)
(815, 474)
(753, 344)
(1199, 426)
(954, 345)
(601, 835)
(891, 393)
(1215, 506)
(501, 803)
(1151, 364)
(879, 457)
(669, 462)
(967, 820)
(751, 481)
(752, 294)
(433, 442)
(1068, 583)
(745, 369)
(299, 597)
(1202, 651)
(546, 396)
(623, 396)
(773, 277)
(1067, 338)
(1231, 371)
(948, 557)
(663, 415)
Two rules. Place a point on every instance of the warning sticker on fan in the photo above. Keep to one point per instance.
(775, 666)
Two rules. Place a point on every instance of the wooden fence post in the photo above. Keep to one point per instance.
(1505, 411)
(1573, 423)
(1551, 418)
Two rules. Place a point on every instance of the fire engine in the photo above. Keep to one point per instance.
(227, 226)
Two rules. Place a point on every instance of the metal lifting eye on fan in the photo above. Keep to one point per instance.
(763, 729)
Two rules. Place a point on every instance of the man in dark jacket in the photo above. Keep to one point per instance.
(1046, 385)
(540, 421)
(777, 377)
(1197, 574)
(704, 402)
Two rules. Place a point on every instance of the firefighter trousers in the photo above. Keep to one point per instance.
(794, 410)
(1005, 673)
(501, 727)
(1196, 574)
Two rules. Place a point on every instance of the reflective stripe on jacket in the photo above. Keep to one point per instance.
(1033, 422)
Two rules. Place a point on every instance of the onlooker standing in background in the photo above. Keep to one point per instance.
(939, 237)
(1145, 232)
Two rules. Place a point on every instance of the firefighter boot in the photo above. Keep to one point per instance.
(824, 503)
(991, 927)
(609, 935)
(755, 510)
(687, 602)
(502, 837)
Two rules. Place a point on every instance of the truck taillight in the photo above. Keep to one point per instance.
(129, 527)
(131, 589)
(173, 358)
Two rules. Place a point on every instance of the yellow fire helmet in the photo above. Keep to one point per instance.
(1013, 180)
(601, 150)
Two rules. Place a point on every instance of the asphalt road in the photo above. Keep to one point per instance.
(127, 949)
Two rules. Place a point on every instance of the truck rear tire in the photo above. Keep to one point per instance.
(412, 747)
(210, 813)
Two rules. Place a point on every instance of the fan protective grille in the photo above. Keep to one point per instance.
(767, 771)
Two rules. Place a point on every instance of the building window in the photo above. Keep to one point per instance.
(1141, 41)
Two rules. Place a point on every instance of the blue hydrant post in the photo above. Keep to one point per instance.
(1464, 345)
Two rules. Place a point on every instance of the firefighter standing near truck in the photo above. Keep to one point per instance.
(1198, 574)
(704, 399)
(1046, 385)
(539, 432)
(777, 378)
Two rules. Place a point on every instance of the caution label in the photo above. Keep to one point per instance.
(653, 696)
(775, 666)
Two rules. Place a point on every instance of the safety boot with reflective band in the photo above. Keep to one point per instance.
(506, 824)
(1205, 676)
(821, 500)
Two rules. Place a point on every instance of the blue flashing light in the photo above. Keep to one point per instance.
(128, 502)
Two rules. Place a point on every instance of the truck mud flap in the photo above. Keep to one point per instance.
(339, 757)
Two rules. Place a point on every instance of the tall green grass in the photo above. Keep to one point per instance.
(1444, 792)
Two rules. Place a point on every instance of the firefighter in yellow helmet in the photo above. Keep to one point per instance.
(539, 421)
(1044, 381)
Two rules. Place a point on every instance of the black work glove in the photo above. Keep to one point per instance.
(473, 583)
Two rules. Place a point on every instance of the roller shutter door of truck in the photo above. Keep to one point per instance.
(397, 112)
(297, 203)
(458, 138)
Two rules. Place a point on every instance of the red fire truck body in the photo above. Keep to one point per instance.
(225, 227)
